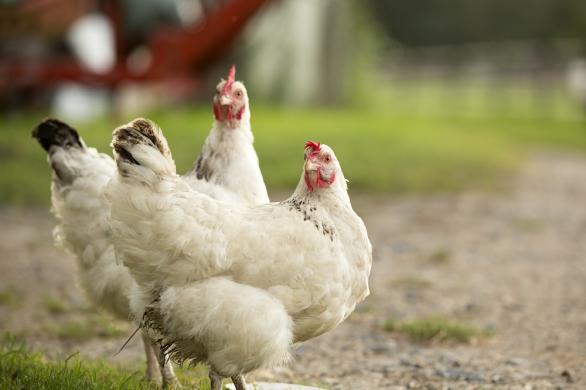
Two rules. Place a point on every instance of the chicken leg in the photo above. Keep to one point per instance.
(239, 382)
(153, 372)
(215, 380)
(169, 378)
(170, 381)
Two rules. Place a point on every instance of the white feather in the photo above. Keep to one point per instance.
(82, 207)
(310, 253)
(207, 310)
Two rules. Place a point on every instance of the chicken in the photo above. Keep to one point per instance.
(231, 284)
(227, 169)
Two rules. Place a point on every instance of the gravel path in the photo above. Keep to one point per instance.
(512, 263)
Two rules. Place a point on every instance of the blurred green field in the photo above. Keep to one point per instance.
(407, 146)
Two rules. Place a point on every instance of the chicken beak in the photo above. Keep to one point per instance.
(310, 166)
(225, 100)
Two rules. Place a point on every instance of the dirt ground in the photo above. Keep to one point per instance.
(511, 263)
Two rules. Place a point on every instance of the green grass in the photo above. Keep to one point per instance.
(22, 368)
(433, 329)
(403, 146)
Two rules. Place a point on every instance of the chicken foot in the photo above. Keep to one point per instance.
(216, 381)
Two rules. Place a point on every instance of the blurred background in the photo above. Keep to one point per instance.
(429, 95)
(460, 124)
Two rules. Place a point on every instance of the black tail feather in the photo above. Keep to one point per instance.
(53, 132)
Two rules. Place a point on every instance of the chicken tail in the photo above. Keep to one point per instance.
(80, 177)
(59, 139)
(53, 132)
(140, 148)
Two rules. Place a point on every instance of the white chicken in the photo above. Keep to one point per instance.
(236, 285)
(227, 169)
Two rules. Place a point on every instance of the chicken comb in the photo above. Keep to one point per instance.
(230, 81)
(314, 146)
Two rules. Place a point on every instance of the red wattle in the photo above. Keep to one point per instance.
(324, 183)
(332, 178)
(240, 113)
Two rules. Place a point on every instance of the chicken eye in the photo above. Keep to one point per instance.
(238, 93)
(328, 158)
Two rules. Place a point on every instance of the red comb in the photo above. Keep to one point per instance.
(230, 81)
(315, 147)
